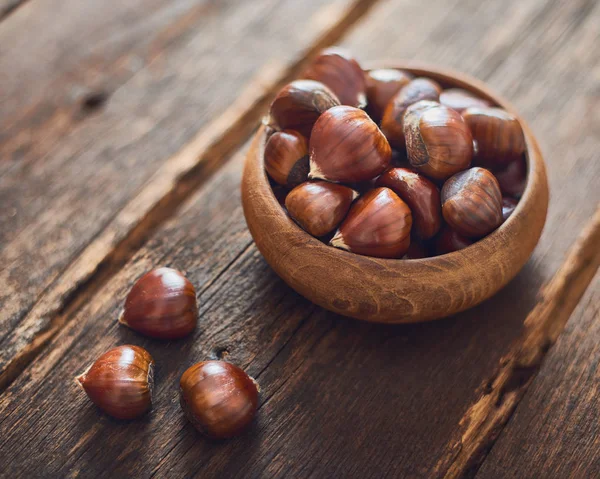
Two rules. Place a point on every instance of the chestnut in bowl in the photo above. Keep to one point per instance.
(397, 290)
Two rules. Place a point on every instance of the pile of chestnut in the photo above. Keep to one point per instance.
(217, 397)
(384, 164)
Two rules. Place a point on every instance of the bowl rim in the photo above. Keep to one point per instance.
(450, 79)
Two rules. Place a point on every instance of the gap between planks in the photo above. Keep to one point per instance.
(485, 420)
(181, 176)
(7, 7)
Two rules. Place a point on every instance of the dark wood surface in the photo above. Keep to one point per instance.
(97, 195)
(145, 181)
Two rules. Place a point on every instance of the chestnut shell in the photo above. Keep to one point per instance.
(346, 146)
(472, 202)
(218, 398)
(161, 304)
(120, 381)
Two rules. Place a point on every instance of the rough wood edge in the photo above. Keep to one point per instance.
(182, 175)
(485, 420)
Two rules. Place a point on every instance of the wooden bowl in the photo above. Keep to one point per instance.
(394, 290)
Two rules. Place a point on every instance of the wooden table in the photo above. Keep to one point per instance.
(123, 127)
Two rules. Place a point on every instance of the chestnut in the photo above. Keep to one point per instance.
(346, 146)
(449, 240)
(393, 116)
(337, 68)
(161, 304)
(318, 206)
(218, 398)
(421, 196)
(459, 99)
(513, 178)
(382, 85)
(286, 158)
(120, 382)
(438, 141)
(508, 207)
(472, 202)
(498, 134)
(378, 224)
(298, 105)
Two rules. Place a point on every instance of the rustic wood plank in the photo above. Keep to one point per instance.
(485, 419)
(554, 431)
(111, 214)
(81, 53)
(340, 398)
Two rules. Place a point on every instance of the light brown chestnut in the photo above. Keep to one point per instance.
(298, 105)
(286, 158)
(459, 99)
(318, 206)
(120, 382)
(513, 178)
(382, 85)
(393, 117)
(421, 196)
(508, 206)
(472, 202)
(438, 141)
(378, 224)
(498, 135)
(346, 146)
(449, 240)
(161, 304)
(337, 68)
(218, 398)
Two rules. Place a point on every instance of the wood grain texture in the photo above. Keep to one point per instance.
(396, 291)
(554, 431)
(81, 53)
(340, 398)
(119, 216)
(504, 390)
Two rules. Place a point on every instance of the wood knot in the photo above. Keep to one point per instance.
(94, 101)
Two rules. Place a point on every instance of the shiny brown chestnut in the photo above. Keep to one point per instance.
(393, 117)
(120, 382)
(161, 304)
(339, 70)
(298, 105)
(218, 398)
(508, 207)
(318, 206)
(498, 134)
(438, 141)
(382, 85)
(346, 146)
(378, 224)
(459, 99)
(286, 158)
(472, 202)
(513, 178)
(421, 196)
(449, 240)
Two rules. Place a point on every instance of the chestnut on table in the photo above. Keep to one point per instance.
(400, 290)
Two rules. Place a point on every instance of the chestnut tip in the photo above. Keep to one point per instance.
(338, 241)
